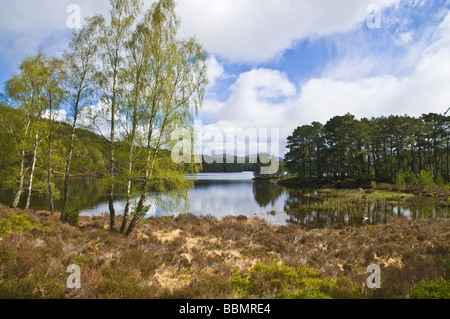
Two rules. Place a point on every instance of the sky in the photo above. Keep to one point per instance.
(279, 64)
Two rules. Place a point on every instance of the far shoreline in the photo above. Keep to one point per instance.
(440, 193)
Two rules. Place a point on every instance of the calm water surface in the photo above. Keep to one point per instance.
(236, 194)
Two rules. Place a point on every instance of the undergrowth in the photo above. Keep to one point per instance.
(188, 257)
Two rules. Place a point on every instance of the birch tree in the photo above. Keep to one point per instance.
(177, 80)
(55, 95)
(134, 75)
(27, 91)
(81, 59)
(123, 15)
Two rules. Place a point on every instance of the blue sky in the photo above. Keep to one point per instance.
(282, 63)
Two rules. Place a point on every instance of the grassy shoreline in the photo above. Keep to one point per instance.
(438, 193)
(204, 258)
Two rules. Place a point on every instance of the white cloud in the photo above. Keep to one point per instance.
(404, 38)
(225, 137)
(216, 71)
(95, 118)
(266, 98)
(423, 90)
(236, 30)
(30, 15)
(28, 25)
(260, 30)
(259, 99)
(253, 98)
(58, 115)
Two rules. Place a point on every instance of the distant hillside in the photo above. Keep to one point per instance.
(224, 167)
(90, 155)
(91, 151)
(233, 167)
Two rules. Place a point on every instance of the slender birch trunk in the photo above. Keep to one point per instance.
(49, 180)
(112, 212)
(19, 191)
(49, 167)
(130, 171)
(69, 161)
(148, 176)
(33, 166)
(21, 179)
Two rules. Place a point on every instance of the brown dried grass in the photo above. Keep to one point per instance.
(191, 257)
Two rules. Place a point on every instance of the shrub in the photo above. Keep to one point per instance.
(385, 186)
(242, 285)
(400, 183)
(72, 215)
(440, 180)
(447, 265)
(208, 286)
(15, 223)
(32, 287)
(281, 281)
(116, 282)
(439, 289)
(305, 294)
(425, 180)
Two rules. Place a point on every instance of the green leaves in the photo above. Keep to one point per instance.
(372, 149)
(15, 223)
(282, 281)
(150, 82)
(434, 289)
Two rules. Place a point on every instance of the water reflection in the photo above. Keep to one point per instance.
(327, 208)
(84, 193)
(266, 194)
(220, 195)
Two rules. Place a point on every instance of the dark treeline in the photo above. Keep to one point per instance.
(376, 149)
(235, 165)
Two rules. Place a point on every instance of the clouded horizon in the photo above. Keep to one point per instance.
(282, 64)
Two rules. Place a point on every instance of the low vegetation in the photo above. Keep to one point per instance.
(331, 208)
(205, 258)
(439, 289)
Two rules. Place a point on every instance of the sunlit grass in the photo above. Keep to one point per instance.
(188, 257)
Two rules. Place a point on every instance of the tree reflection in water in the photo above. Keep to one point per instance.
(224, 195)
(338, 208)
(266, 193)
